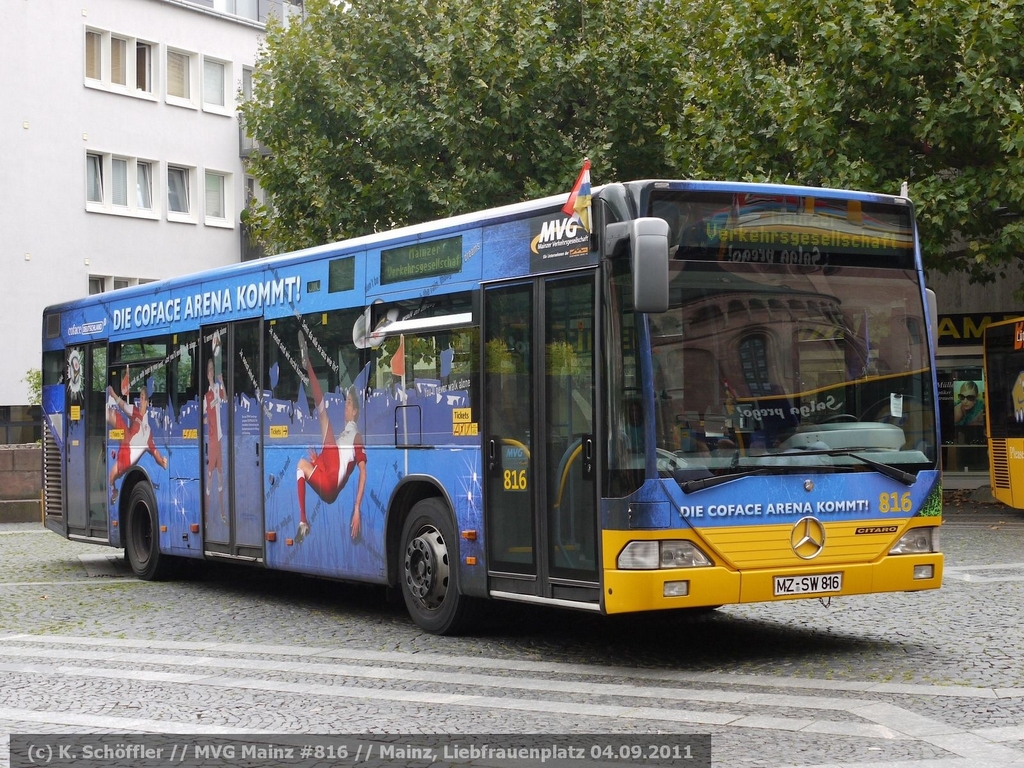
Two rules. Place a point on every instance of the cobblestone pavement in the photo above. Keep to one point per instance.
(925, 680)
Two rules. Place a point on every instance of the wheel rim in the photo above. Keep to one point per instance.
(426, 568)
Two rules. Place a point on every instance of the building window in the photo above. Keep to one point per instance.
(179, 193)
(94, 176)
(102, 283)
(110, 179)
(214, 83)
(214, 195)
(253, 192)
(218, 200)
(177, 189)
(20, 424)
(253, 196)
(246, 143)
(754, 364)
(93, 55)
(177, 75)
(119, 181)
(250, 9)
(118, 61)
(144, 67)
(961, 384)
(181, 71)
(144, 185)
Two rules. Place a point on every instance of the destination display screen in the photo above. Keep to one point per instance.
(440, 257)
(786, 230)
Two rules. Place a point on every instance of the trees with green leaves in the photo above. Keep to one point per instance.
(869, 94)
(34, 381)
(379, 114)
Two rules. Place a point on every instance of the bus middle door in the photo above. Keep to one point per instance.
(232, 440)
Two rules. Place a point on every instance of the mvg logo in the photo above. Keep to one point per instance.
(557, 231)
(1018, 336)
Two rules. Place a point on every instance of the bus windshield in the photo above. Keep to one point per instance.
(795, 335)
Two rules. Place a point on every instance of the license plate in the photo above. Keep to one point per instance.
(817, 584)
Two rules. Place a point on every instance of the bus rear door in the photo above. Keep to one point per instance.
(87, 492)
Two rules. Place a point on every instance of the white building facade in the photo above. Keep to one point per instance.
(123, 159)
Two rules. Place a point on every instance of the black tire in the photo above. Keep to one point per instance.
(142, 538)
(429, 571)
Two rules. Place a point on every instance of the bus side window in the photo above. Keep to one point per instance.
(281, 338)
(183, 373)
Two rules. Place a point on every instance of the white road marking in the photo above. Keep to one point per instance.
(985, 574)
(867, 718)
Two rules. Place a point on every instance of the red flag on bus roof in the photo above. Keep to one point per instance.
(578, 204)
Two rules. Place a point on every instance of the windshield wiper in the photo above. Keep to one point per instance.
(889, 471)
(710, 482)
(886, 469)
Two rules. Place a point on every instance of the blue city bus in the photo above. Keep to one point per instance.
(715, 393)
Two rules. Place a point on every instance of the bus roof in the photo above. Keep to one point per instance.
(455, 223)
(521, 238)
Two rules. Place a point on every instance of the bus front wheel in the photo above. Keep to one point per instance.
(142, 543)
(429, 569)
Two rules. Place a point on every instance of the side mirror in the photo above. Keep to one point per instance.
(648, 240)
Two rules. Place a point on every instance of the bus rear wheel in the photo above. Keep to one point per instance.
(142, 541)
(429, 570)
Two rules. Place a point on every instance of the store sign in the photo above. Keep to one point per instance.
(967, 329)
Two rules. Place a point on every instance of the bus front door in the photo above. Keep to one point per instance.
(232, 447)
(539, 445)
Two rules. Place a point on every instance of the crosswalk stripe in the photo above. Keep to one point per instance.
(236, 663)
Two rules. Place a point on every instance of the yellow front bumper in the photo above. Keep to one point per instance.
(629, 591)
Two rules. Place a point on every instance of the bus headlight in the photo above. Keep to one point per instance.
(650, 555)
(917, 541)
